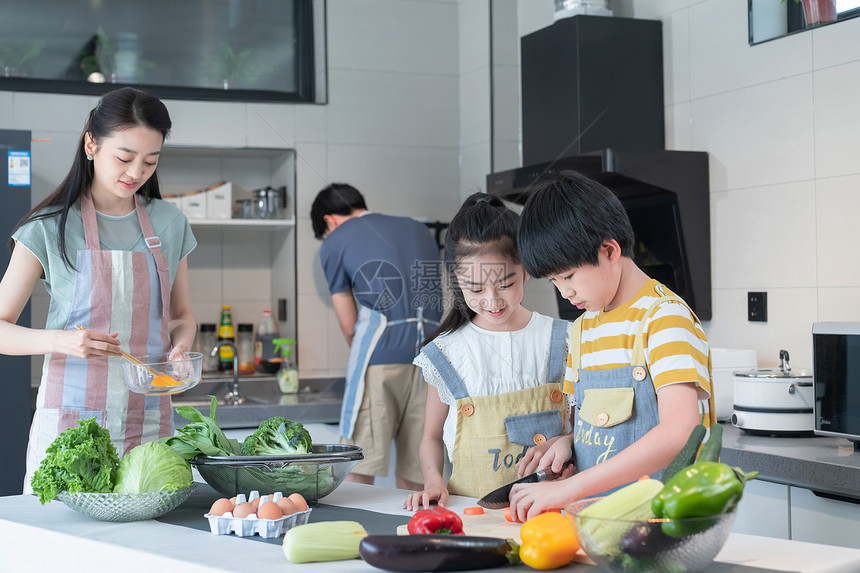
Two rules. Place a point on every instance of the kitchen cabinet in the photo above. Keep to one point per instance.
(824, 520)
(247, 263)
(762, 498)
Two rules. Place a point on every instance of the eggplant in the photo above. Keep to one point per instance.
(646, 540)
(437, 552)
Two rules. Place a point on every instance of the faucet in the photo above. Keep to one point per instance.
(233, 395)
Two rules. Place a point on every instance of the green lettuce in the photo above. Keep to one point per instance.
(81, 459)
(152, 467)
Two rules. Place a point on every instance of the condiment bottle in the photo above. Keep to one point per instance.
(264, 346)
(245, 347)
(206, 339)
(225, 334)
(288, 375)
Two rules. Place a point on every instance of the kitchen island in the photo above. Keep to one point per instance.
(54, 537)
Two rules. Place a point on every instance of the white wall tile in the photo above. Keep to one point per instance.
(678, 127)
(413, 37)
(836, 44)
(311, 121)
(474, 167)
(790, 315)
(758, 135)
(475, 106)
(51, 160)
(532, 15)
(506, 102)
(837, 205)
(409, 181)
(387, 108)
(49, 112)
(311, 175)
(271, 125)
(311, 279)
(506, 154)
(721, 58)
(753, 251)
(837, 119)
(313, 334)
(838, 304)
(474, 35)
(207, 123)
(647, 9)
(505, 33)
(676, 57)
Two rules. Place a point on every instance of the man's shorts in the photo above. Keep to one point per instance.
(392, 408)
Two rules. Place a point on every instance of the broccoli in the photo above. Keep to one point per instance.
(277, 437)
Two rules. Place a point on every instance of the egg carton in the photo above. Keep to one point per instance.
(253, 525)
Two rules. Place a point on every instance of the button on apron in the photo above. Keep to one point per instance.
(639, 373)
(467, 409)
(555, 396)
(539, 438)
(602, 419)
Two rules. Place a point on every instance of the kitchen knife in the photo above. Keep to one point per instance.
(498, 498)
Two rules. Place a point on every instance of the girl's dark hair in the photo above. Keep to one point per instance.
(118, 110)
(482, 225)
(564, 222)
(336, 199)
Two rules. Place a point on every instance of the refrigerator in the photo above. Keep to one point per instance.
(15, 416)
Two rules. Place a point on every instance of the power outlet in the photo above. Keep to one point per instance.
(757, 306)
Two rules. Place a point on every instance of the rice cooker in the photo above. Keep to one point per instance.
(774, 401)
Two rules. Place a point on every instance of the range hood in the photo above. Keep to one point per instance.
(592, 101)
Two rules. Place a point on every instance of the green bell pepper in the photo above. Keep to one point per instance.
(703, 489)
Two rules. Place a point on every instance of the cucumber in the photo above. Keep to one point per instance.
(711, 450)
(687, 455)
(437, 552)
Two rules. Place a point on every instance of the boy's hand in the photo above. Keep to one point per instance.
(551, 454)
(531, 499)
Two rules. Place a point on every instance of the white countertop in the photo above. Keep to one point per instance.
(54, 537)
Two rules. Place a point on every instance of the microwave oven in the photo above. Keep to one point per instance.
(836, 379)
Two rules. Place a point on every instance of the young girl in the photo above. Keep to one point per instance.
(494, 368)
(112, 257)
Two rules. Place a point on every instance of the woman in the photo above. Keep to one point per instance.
(112, 256)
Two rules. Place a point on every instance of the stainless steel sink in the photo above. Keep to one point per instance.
(318, 400)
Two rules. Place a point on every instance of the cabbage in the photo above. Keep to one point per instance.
(152, 467)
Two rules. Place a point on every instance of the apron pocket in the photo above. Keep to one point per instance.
(494, 462)
(534, 428)
(607, 407)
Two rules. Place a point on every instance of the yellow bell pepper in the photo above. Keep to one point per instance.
(549, 541)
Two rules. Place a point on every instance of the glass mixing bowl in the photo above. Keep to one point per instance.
(155, 375)
(623, 546)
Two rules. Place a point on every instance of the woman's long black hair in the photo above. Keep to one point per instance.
(482, 225)
(117, 110)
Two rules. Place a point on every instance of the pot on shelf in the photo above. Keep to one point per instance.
(774, 401)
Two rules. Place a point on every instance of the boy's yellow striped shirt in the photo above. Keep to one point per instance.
(676, 347)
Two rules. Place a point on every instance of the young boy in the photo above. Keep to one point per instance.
(638, 361)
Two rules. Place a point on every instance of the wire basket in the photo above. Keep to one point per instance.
(125, 506)
(314, 475)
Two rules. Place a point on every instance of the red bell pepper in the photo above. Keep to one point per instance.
(437, 520)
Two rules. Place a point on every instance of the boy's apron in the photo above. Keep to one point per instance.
(616, 407)
(115, 291)
(368, 330)
(494, 432)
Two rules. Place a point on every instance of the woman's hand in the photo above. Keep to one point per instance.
(178, 352)
(553, 453)
(414, 501)
(86, 343)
